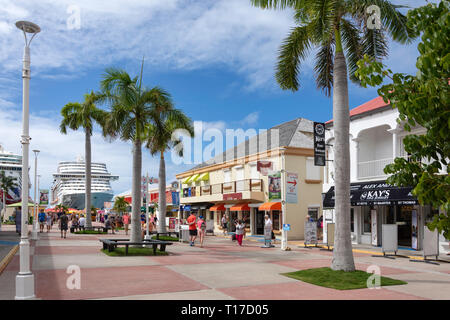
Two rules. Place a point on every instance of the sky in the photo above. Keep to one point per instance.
(215, 57)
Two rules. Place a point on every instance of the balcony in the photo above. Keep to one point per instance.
(246, 189)
(373, 169)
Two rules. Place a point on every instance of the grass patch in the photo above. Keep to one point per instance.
(120, 252)
(341, 280)
(166, 238)
(90, 232)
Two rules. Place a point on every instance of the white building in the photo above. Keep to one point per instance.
(11, 165)
(376, 139)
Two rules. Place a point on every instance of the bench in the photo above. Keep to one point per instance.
(111, 244)
(168, 233)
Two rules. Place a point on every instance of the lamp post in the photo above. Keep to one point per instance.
(34, 233)
(147, 202)
(284, 237)
(25, 279)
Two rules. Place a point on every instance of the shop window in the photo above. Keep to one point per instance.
(246, 218)
(367, 220)
(276, 220)
(313, 213)
(312, 171)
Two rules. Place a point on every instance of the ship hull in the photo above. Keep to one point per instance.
(77, 200)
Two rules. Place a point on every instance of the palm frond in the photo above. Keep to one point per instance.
(352, 43)
(323, 67)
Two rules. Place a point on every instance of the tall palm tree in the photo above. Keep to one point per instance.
(84, 115)
(6, 183)
(159, 140)
(339, 29)
(132, 107)
(120, 205)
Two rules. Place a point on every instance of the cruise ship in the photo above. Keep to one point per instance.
(11, 164)
(69, 184)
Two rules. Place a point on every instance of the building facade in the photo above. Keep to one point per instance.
(268, 173)
(376, 139)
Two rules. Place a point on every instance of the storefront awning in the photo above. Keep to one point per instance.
(374, 193)
(204, 177)
(218, 207)
(270, 206)
(187, 180)
(240, 207)
(195, 177)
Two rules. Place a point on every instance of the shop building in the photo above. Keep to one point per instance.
(376, 139)
(255, 178)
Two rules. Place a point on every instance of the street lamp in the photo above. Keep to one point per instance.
(34, 233)
(25, 279)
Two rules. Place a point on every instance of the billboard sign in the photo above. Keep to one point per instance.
(319, 144)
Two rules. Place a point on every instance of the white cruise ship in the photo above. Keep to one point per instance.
(69, 184)
(11, 164)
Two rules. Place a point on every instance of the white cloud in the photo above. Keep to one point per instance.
(250, 119)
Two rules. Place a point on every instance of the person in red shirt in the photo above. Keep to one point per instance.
(126, 222)
(192, 228)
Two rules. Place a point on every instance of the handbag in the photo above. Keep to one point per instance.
(273, 235)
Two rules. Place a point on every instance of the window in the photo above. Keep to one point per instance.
(367, 220)
(313, 213)
(227, 176)
(276, 220)
(312, 171)
(254, 174)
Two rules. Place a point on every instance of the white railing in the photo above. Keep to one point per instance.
(373, 169)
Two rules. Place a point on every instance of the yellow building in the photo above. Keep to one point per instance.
(258, 176)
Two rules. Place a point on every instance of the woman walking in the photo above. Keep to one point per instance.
(240, 229)
(201, 227)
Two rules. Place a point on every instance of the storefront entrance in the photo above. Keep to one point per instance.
(402, 216)
(259, 223)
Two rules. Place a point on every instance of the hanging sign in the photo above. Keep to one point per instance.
(43, 196)
(275, 186)
(319, 144)
(291, 187)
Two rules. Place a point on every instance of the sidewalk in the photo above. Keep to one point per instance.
(220, 270)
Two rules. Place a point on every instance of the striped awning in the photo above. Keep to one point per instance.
(187, 180)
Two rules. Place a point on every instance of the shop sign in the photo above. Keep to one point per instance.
(232, 196)
(264, 167)
(291, 187)
(275, 186)
(286, 227)
(310, 232)
(319, 144)
(43, 198)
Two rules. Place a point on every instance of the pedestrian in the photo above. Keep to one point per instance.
(41, 218)
(63, 224)
(126, 222)
(82, 222)
(18, 219)
(192, 228)
(113, 222)
(320, 227)
(240, 229)
(201, 227)
(49, 221)
(267, 232)
(224, 223)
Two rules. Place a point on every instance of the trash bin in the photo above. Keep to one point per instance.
(184, 233)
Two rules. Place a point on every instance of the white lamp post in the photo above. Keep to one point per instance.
(25, 279)
(284, 238)
(34, 233)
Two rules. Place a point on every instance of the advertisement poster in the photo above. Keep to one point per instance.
(374, 227)
(43, 196)
(275, 186)
(310, 232)
(291, 187)
(414, 229)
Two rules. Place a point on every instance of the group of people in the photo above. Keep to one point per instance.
(196, 228)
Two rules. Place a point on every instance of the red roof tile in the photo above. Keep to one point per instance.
(373, 104)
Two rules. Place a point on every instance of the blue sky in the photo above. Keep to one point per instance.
(216, 58)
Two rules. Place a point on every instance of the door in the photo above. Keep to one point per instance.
(404, 222)
(259, 222)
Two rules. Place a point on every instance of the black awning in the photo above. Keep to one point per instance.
(374, 193)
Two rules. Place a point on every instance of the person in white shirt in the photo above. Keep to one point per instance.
(82, 222)
(267, 232)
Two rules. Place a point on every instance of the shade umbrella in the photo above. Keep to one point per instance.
(19, 204)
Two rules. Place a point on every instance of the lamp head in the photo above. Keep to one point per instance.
(28, 27)
(36, 152)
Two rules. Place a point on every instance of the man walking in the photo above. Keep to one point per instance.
(192, 228)
(41, 217)
(63, 224)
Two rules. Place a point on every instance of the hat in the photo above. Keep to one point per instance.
(201, 217)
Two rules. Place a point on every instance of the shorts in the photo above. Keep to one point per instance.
(193, 232)
(41, 223)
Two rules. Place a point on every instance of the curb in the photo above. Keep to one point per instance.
(7, 259)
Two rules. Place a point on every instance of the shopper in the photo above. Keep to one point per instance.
(240, 229)
(41, 217)
(201, 227)
(18, 219)
(63, 224)
(82, 222)
(192, 228)
(126, 222)
(49, 221)
(224, 224)
(267, 232)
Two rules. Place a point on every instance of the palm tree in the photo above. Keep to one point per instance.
(338, 28)
(132, 107)
(120, 205)
(6, 183)
(76, 116)
(159, 140)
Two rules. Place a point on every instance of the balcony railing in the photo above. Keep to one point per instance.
(373, 169)
(255, 185)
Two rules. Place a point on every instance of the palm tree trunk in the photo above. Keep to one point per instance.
(87, 154)
(3, 207)
(162, 194)
(342, 252)
(136, 235)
